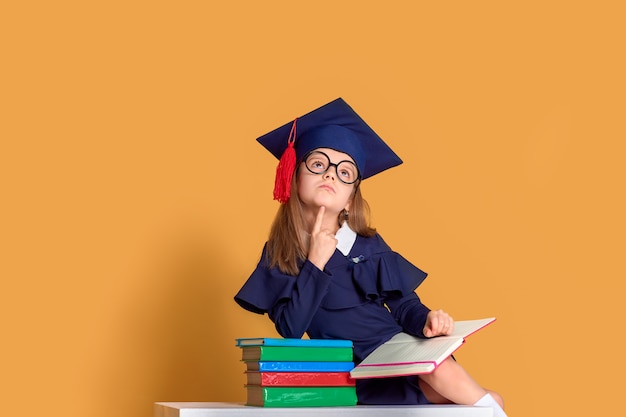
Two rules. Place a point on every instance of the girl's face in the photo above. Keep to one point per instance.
(326, 188)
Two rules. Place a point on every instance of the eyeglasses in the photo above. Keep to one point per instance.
(319, 163)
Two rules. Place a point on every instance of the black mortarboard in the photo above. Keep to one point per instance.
(336, 126)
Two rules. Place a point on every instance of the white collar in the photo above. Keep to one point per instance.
(345, 239)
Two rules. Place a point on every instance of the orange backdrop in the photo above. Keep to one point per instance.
(135, 200)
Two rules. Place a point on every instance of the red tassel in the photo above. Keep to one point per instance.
(285, 169)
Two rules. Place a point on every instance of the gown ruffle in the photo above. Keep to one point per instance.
(371, 272)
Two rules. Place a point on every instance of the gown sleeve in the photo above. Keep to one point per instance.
(290, 301)
(410, 313)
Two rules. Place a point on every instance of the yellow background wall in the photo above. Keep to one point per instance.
(135, 201)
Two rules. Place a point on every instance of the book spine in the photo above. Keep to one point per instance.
(297, 354)
(375, 371)
(307, 396)
(329, 379)
(293, 342)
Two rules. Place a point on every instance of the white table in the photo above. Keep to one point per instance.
(216, 409)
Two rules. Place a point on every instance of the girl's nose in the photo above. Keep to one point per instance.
(329, 173)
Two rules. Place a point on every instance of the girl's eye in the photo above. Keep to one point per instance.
(318, 165)
(346, 172)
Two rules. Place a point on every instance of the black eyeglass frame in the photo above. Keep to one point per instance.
(330, 164)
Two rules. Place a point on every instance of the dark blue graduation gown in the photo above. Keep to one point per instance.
(367, 297)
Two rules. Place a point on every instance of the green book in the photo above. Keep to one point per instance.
(305, 396)
(296, 354)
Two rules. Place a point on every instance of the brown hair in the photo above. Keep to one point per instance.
(287, 245)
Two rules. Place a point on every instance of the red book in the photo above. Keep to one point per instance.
(291, 379)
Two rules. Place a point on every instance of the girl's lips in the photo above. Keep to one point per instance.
(327, 187)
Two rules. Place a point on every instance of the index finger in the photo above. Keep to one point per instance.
(318, 220)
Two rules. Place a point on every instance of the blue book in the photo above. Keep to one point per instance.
(283, 366)
(277, 341)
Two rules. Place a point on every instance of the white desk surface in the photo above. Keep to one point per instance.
(217, 409)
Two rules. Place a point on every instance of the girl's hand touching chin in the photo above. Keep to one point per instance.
(438, 323)
(322, 244)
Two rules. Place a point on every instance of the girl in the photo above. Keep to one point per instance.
(325, 272)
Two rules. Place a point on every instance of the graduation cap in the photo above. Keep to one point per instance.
(336, 126)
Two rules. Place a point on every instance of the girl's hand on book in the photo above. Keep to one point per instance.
(323, 242)
(438, 323)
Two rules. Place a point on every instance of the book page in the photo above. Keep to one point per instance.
(404, 348)
(413, 349)
(467, 327)
(462, 328)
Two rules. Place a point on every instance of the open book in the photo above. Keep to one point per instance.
(404, 354)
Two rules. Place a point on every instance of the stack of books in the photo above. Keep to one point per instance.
(298, 372)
